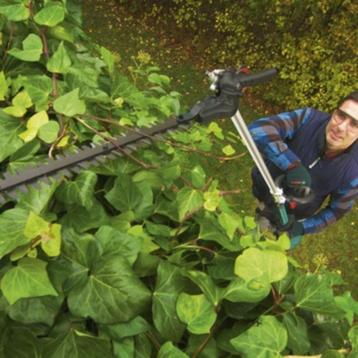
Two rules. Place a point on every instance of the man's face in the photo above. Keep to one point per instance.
(342, 129)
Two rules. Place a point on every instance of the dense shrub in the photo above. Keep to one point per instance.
(312, 43)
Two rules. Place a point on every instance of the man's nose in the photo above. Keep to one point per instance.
(343, 125)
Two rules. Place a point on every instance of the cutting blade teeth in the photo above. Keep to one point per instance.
(132, 147)
(22, 188)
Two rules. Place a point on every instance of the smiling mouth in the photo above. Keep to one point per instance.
(335, 136)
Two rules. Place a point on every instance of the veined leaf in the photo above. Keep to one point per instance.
(296, 327)
(79, 191)
(197, 312)
(9, 132)
(32, 49)
(313, 293)
(39, 88)
(36, 309)
(12, 225)
(51, 15)
(241, 291)
(76, 344)
(189, 200)
(125, 195)
(51, 241)
(264, 265)
(168, 350)
(60, 62)
(28, 279)
(111, 293)
(169, 284)
(15, 12)
(70, 104)
(267, 339)
(35, 226)
(49, 132)
(212, 292)
(198, 176)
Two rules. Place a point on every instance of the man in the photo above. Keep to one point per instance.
(309, 148)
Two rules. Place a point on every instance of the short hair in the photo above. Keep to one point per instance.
(353, 96)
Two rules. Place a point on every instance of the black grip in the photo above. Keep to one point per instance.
(256, 78)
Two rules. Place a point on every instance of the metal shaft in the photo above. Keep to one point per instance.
(245, 135)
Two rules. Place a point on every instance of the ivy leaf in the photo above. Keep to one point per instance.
(39, 88)
(18, 12)
(9, 132)
(36, 309)
(228, 150)
(169, 284)
(4, 87)
(240, 291)
(207, 285)
(230, 222)
(79, 191)
(111, 292)
(78, 345)
(160, 80)
(49, 131)
(189, 200)
(62, 33)
(348, 304)
(128, 329)
(32, 49)
(37, 120)
(125, 195)
(108, 59)
(37, 199)
(266, 266)
(168, 350)
(198, 176)
(119, 243)
(212, 200)
(197, 312)
(51, 241)
(298, 339)
(60, 62)
(12, 225)
(20, 103)
(35, 226)
(28, 279)
(266, 339)
(313, 293)
(70, 104)
(51, 15)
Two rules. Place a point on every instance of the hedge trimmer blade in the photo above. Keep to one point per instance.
(86, 156)
(227, 84)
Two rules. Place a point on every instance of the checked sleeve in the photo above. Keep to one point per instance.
(269, 134)
(340, 203)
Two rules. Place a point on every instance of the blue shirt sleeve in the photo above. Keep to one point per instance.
(341, 202)
(269, 134)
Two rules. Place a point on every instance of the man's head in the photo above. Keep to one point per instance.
(342, 129)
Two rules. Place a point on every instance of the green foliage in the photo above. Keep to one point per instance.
(313, 44)
(141, 255)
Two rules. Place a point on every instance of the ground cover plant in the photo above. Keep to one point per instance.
(142, 255)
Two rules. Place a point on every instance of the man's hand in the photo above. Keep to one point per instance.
(295, 234)
(294, 230)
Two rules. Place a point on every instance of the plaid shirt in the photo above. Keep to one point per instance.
(274, 135)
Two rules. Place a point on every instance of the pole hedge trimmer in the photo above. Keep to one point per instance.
(228, 86)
